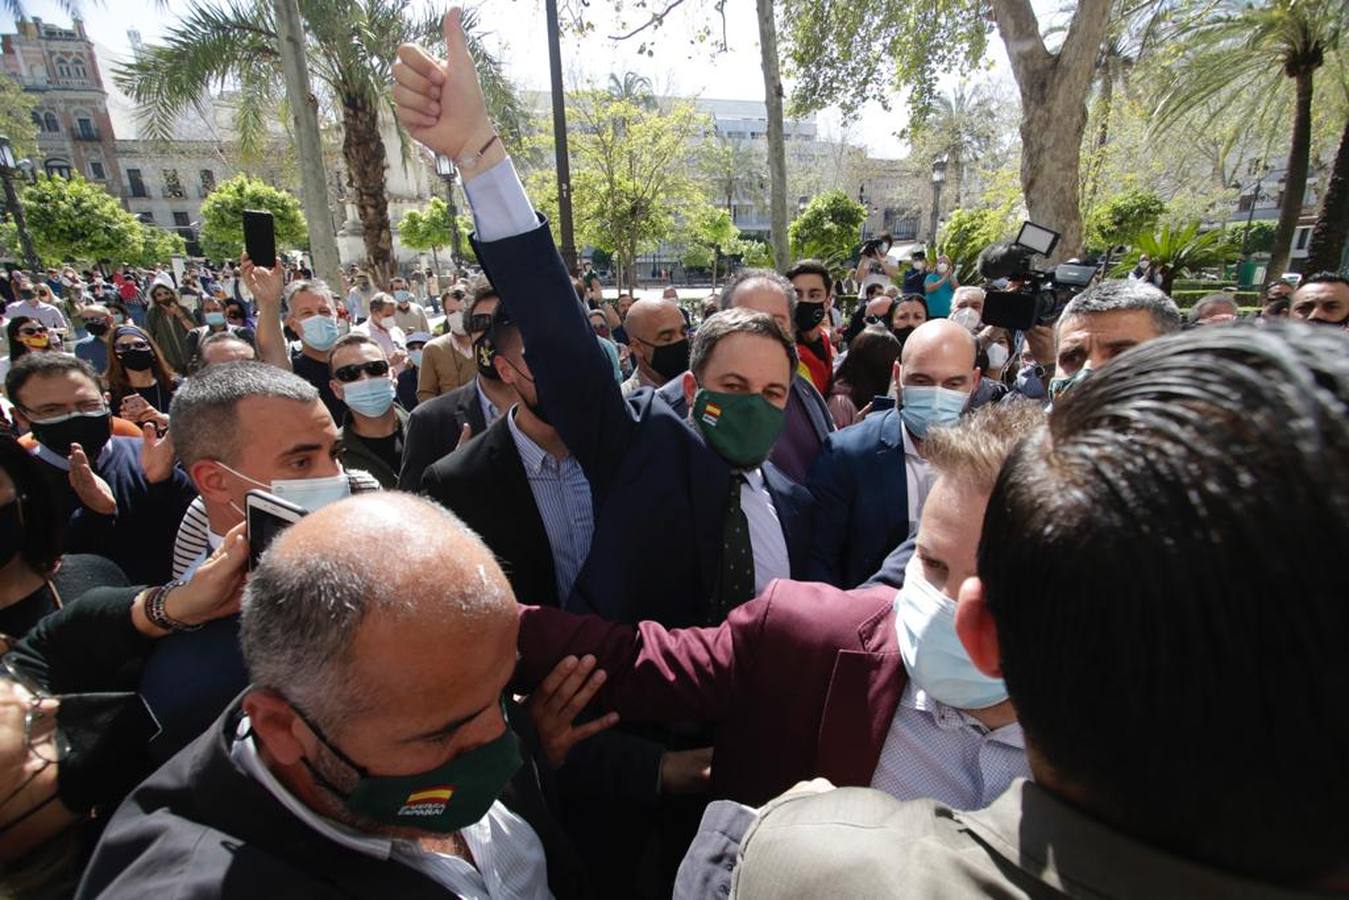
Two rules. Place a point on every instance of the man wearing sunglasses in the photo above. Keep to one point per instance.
(372, 434)
(439, 425)
(37, 307)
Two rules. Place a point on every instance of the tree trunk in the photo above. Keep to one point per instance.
(716, 258)
(435, 259)
(1295, 178)
(363, 150)
(1104, 106)
(777, 147)
(1054, 88)
(1332, 225)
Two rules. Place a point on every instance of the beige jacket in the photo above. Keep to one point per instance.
(443, 368)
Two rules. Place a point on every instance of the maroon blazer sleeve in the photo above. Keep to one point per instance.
(654, 674)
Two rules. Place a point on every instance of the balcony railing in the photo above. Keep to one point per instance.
(85, 134)
(174, 193)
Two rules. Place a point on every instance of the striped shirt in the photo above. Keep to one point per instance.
(196, 540)
(562, 495)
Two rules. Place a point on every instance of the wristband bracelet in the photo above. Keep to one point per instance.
(470, 159)
(156, 613)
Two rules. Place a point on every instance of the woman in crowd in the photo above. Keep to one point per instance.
(217, 321)
(26, 335)
(864, 374)
(34, 576)
(169, 323)
(139, 378)
(906, 315)
(237, 316)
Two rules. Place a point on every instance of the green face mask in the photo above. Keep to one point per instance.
(442, 800)
(1060, 386)
(740, 427)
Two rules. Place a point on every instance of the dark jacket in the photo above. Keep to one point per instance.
(800, 682)
(200, 827)
(860, 486)
(638, 454)
(358, 454)
(433, 431)
(484, 483)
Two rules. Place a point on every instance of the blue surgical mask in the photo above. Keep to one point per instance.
(925, 619)
(309, 494)
(929, 406)
(402, 296)
(416, 357)
(319, 332)
(214, 318)
(371, 397)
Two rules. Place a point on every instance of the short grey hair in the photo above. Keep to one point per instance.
(735, 321)
(1119, 295)
(203, 416)
(1209, 301)
(380, 300)
(302, 610)
(310, 286)
(749, 278)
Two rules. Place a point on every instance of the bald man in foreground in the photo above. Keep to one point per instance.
(373, 754)
(659, 340)
(870, 480)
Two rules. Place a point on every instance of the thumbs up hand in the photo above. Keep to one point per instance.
(439, 102)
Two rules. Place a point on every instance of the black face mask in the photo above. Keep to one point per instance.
(137, 360)
(670, 360)
(11, 531)
(482, 355)
(97, 329)
(27, 293)
(903, 334)
(808, 315)
(90, 430)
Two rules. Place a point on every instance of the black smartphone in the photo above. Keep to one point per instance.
(267, 516)
(260, 237)
(880, 403)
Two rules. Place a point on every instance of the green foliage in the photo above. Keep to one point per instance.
(222, 216)
(16, 117)
(1186, 299)
(850, 53)
(158, 245)
(427, 228)
(828, 228)
(1120, 216)
(1260, 239)
(757, 254)
(967, 233)
(74, 219)
(1185, 249)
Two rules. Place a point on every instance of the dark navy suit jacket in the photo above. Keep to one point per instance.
(861, 500)
(659, 491)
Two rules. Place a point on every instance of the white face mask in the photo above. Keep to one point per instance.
(943, 268)
(307, 493)
(966, 317)
(997, 356)
(455, 321)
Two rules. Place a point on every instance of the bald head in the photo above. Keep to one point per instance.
(316, 615)
(648, 318)
(941, 353)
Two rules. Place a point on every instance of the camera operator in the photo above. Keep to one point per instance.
(872, 265)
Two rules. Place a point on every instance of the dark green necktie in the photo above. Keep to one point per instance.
(737, 557)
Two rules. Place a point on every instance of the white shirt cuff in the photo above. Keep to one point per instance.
(501, 208)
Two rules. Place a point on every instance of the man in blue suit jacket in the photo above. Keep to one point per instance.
(640, 451)
(870, 480)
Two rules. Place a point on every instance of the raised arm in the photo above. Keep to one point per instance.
(266, 286)
(441, 105)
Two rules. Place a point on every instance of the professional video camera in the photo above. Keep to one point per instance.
(1039, 296)
(873, 247)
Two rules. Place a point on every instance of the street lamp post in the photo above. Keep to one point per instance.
(445, 169)
(7, 167)
(938, 176)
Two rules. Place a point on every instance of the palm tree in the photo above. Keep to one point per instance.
(962, 127)
(350, 46)
(634, 88)
(1235, 56)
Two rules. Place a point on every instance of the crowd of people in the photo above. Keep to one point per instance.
(599, 599)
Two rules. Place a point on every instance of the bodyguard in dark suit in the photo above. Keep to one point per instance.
(436, 426)
(386, 770)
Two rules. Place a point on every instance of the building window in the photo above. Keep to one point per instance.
(96, 170)
(58, 167)
(137, 184)
(147, 217)
(77, 68)
(50, 123)
(172, 186)
(85, 127)
(1302, 235)
(37, 120)
(207, 181)
(62, 67)
(180, 220)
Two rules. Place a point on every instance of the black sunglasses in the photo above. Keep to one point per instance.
(480, 322)
(375, 369)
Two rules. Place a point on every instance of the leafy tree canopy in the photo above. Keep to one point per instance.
(222, 216)
(16, 117)
(1120, 216)
(828, 228)
(74, 219)
(427, 228)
